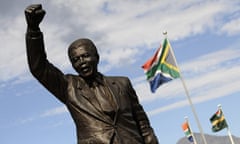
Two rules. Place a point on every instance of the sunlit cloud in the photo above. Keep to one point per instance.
(60, 110)
(54, 111)
(232, 27)
(115, 27)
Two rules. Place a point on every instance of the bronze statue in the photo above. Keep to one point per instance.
(105, 109)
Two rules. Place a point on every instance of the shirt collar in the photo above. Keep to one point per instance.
(97, 80)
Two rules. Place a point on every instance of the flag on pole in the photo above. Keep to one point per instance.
(187, 131)
(218, 121)
(161, 68)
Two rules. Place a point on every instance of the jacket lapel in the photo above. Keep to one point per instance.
(88, 101)
(114, 90)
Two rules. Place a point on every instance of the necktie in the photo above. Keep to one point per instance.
(104, 98)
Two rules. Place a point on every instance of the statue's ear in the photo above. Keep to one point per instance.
(98, 61)
(98, 58)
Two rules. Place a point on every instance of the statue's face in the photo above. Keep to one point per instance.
(84, 61)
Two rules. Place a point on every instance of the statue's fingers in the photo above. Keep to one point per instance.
(37, 6)
(33, 8)
(41, 12)
(28, 10)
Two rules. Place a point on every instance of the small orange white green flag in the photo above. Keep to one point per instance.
(187, 131)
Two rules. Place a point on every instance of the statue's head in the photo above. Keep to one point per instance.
(84, 57)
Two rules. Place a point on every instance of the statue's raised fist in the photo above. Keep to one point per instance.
(34, 15)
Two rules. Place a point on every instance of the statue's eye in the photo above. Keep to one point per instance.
(75, 59)
(86, 55)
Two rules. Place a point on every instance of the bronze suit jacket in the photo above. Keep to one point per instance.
(130, 124)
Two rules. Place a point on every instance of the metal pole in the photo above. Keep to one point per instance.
(194, 139)
(228, 130)
(188, 96)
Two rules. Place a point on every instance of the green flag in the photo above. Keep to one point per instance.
(218, 121)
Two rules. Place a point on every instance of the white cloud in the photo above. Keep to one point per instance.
(210, 61)
(232, 27)
(115, 26)
(121, 25)
(56, 47)
(27, 120)
(48, 113)
(54, 111)
(12, 57)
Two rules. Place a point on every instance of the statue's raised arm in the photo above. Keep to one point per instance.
(45, 72)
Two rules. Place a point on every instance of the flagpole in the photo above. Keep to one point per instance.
(230, 135)
(187, 94)
(194, 139)
(228, 130)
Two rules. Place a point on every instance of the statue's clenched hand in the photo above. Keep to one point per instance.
(34, 15)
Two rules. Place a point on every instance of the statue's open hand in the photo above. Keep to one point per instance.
(34, 15)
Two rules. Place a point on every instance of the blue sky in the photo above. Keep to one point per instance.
(204, 35)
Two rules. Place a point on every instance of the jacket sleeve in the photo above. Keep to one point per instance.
(141, 118)
(47, 74)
